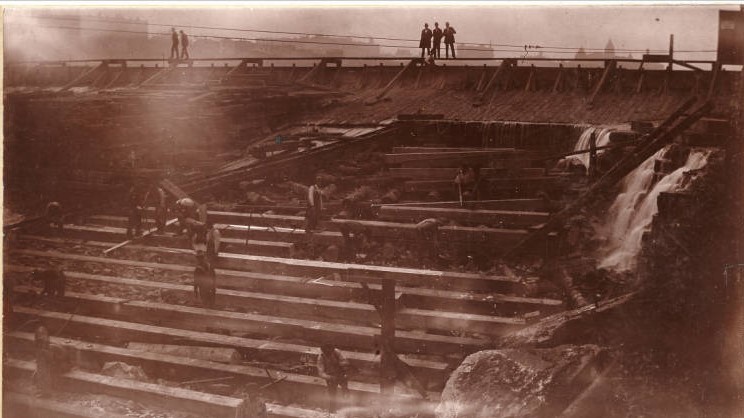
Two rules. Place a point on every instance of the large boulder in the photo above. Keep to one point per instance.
(518, 383)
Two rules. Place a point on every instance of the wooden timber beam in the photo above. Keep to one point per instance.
(505, 218)
(641, 76)
(447, 173)
(387, 230)
(299, 320)
(502, 204)
(415, 297)
(656, 140)
(199, 319)
(407, 276)
(261, 350)
(99, 68)
(531, 84)
(558, 84)
(166, 397)
(687, 65)
(714, 80)
(455, 156)
(411, 64)
(30, 406)
(158, 74)
(184, 368)
(505, 65)
(116, 234)
(609, 67)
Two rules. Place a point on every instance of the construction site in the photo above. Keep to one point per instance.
(510, 236)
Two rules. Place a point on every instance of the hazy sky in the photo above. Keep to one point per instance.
(633, 27)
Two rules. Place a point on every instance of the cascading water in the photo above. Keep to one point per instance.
(603, 138)
(633, 210)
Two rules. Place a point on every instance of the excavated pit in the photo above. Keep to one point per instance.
(250, 145)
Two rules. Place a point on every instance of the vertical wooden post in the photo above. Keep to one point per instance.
(592, 155)
(387, 334)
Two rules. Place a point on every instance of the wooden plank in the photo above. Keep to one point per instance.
(502, 204)
(415, 150)
(449, 173)
(100, 67)
(503, 218)
(523, 184)
(455, 155)
(349, 271)
(449, 300)
(312, 390)
(609, 67)
(411, 64)
(166, 397)
(292, 307)
(114, 234)
(558, 84)
(259, 350)
(174, 190)
(129, 241)
(30, 406)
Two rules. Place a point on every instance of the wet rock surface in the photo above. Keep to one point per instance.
(518, 383)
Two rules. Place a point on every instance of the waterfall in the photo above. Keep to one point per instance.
(633, 210)
(603, 138)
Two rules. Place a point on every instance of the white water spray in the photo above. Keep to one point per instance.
(603, 138)
(633, 210)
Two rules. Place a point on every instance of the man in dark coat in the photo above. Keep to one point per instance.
(334, 368)
(437, 38)
(174, 44)
(449, 40)
(184, 46)
(425, 42)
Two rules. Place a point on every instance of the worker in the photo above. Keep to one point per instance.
(186, 213)
(205, 281)
(51, 361)
(199, 238)
(334, 368)
(134, 224)
(184, 46)
(425, 42)
(437, 34)
(54, 281)
(428, 232)
(314, 206)
(174, 44)
(54, 216)
(449, 40)
(161, 210)
(213, 242)
(354, 239)
(465, 181)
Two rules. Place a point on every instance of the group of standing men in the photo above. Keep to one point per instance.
(427, 36)
(184, 54)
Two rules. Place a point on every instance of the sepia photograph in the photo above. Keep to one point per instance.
(373, 209)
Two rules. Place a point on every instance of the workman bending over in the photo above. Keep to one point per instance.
(54, 215)
(334, 368)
